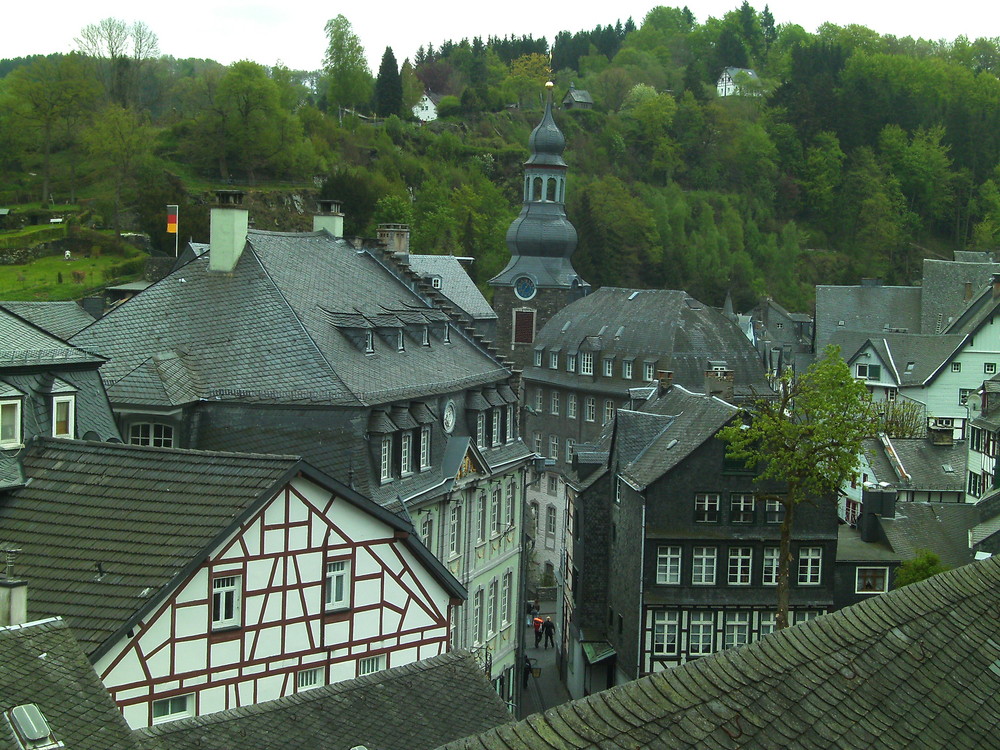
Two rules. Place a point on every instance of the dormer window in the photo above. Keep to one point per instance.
(586, 363)
(10, 423)
(435, 282)
(425, 337)
(538, 358)
(369, 342)
(400, 341)
(63, 416)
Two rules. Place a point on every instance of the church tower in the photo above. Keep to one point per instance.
(540, 279)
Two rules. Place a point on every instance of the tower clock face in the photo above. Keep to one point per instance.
(524, 288)
(448, 420)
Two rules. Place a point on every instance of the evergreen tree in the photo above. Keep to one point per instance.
(388, 87)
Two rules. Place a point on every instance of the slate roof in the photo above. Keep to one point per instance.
(652, 442)
(942, 528)
(41, 663)
(928, 465)
(456, 284)
(278, 330)
(415, 707)
(914, 669)
(912, 359)
(948, 286)
(865, 309)
(143, 514)
(61, 319)
(667, 326)
(25, 344)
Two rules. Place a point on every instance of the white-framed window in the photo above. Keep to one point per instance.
(435, 280)
(586, 363)
(768, 622)
(538, 357)
(571, 405)
(609, 410)
(425, 336)
(701, 633)
(491, 608)
(665, 627)
(890, 394)
(570, 363)
(227, 595)
(956, 366)
(552, 484)
(608, 367)
(741, 507)
(706, 507)
(153, 434)
(480, 429)
(550, 521)
(400, 340)
(385, 459)
(553, 447)
(770, 576)
(703, 566)
(619, 489)
(63, 416)
(553, 360)
(668, 565)
(989, 368)
(868, 372)
(804, 615)
(505, 595)
(627, 369)
(810, 566)
(539, 399)
(648, 371)
(307, 679)
(570, 447)
(736, 629)
(481, 517)
(975, 484)
(554, 403)
(10, 423)
(508, 507)
(173, 708)
(455, 529)
(425, 447)
(740, 563)
(510, 422)
(774, 511)
(964, 393)
(477, 616)
(871, 581)
(371, 664)
(590, 409)
(536, 442)
(496, 436)
(406, 453)
(369, 342)
(427, 531)
(447, 333)
(496, 510)
(337, 583)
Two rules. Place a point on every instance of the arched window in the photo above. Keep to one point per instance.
(153, 434)
(537, 193)
(551, 189)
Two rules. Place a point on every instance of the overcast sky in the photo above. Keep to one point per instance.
(269, 31)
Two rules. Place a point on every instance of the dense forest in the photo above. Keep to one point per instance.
(847, 154)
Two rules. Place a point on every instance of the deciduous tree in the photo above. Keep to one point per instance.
(807, 440)
(350, 80)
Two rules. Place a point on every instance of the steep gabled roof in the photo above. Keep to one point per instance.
(105, 527)
(414, 707)
(942, 528)
(914, 669)
(948, 286)
(24, 344)
(61, 319)
(278, 329)
(865, 309)
(41, 663)
(456, 284)
(913, 359)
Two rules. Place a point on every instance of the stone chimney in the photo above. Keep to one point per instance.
(720, 383)
(665, 379)
(396, 239)
(330, 217)
(13, 592)
(229, 231)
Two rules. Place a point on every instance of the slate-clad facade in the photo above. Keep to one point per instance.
(307, 344)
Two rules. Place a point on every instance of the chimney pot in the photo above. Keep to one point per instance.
(396, 239)
(229, 223)
(13, 602)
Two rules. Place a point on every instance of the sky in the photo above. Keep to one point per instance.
(268, 31)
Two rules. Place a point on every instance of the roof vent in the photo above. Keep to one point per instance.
(633, 295)
(948, 468)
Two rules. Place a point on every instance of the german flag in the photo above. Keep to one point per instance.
(171, 219)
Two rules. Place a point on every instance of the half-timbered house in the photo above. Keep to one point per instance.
(201, 581)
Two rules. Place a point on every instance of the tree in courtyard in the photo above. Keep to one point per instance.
(388, 98)
(345, 65)
(803, 444)
(921, 567)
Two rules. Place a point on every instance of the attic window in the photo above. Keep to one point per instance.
(948, 468)
(369, 342)
(840, 323)
(909, 366)
(425, 336)
(63, 413)
(435, 282)
(10, 423)
(400, 341)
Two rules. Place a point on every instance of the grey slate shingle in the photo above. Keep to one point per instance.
(914, 669)
(415, 707)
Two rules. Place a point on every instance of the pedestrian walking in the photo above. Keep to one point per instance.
(549, 631)
(537, 625)
(527, 671)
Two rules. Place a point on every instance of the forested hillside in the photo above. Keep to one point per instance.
(849, 154)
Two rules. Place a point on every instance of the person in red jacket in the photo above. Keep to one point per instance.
(537, 625)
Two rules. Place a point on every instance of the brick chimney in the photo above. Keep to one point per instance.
(396, 238)
(665, 379)
(720, 383)
(330, 217)
(229, 231)
(996, 285)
